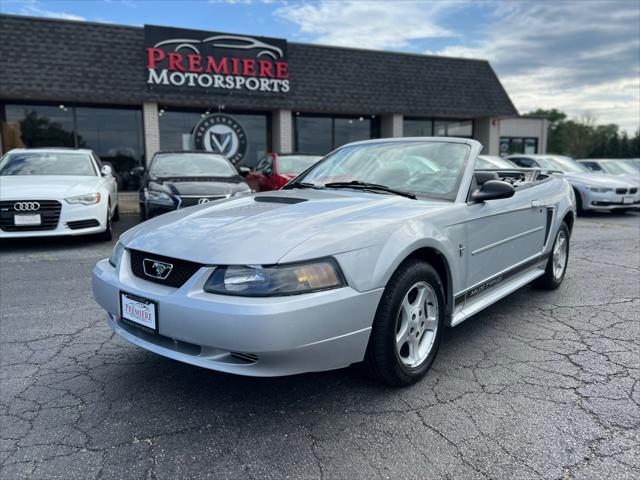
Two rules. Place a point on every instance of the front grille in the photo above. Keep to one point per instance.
(633, 190)
(181, 271)
(621, 191)
(78, 224)
(49, 215)
(191, 201)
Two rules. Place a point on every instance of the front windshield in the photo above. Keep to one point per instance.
(431, 169)
(618, 168)
(47, 163)
(191, 165)
(296, 164)
(564, 164)
(490, 163)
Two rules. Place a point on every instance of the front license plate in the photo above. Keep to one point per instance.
(627, 200)
(139, 311)
(27, 219)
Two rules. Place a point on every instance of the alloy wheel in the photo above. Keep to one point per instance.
(560, 254)
(417, 324)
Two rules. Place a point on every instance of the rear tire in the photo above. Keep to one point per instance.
(143, 212)
(408, 326)
(558, 260)
(116, 214)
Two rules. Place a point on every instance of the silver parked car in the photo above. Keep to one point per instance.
(594, 191)
(613, 166)
(365, 257)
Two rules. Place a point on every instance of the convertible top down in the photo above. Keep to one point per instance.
(365, 257)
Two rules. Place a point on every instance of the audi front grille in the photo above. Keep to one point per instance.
(181, 271)
(49, 211)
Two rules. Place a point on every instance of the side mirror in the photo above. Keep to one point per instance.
(244, 171)
(106, 170)
(493, 190)
(137, 171)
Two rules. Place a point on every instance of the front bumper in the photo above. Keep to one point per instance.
(609, 201)
(248, 336)
(69, 215)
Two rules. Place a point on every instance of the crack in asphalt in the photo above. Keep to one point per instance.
(540, 385)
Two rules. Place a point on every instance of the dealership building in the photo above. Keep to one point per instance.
(128, 92)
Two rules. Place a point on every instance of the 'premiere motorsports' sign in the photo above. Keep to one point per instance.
(192, 59)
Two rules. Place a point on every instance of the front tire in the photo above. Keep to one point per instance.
(107, 235)
(558, 260)
(407, 330)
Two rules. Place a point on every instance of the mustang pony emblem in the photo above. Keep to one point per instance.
(156, 269)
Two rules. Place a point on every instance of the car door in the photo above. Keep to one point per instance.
(502, 234)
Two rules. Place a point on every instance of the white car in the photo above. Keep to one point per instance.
(56, 191)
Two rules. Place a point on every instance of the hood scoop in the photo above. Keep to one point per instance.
(286, 200)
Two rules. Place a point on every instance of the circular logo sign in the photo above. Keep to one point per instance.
(221, 134)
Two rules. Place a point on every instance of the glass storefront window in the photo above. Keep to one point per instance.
(314, 134)
(453, 128)
(35, 126)
(321, 134)
(114, 134)
(176, 129)
(347, 130)
(116, 137)
(417, 127)
(462, 128)
(511, 145)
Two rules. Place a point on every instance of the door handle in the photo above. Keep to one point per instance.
(536, 204)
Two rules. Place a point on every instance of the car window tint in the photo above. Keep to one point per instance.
(191, 165)
(431, 169)
(296, 164)
(47, 163)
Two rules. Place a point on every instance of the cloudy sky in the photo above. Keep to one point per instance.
(580, 56)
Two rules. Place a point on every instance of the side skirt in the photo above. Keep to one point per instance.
(496, 288)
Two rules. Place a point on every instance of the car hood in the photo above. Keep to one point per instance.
(202, 186)
(262, 228)
(596, 179)
(44, 187)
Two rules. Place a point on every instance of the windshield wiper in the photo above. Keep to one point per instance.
(357, 184)
(302, 185)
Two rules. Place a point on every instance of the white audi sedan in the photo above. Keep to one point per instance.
(56, 191)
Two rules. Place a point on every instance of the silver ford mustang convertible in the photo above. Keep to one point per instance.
(364, 258)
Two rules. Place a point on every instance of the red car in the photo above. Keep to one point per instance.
(274, 170)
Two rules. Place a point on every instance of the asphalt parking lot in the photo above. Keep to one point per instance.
(540, 385)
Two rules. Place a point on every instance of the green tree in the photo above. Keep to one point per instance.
(555, 133)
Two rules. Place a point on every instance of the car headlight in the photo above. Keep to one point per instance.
(116, 254)
(241, 192)
(88, 199)
(274, 280)
(600, 189)
(156, 196)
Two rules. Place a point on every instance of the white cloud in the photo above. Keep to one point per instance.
(369, 24)
(576, 56)
(35, 8)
